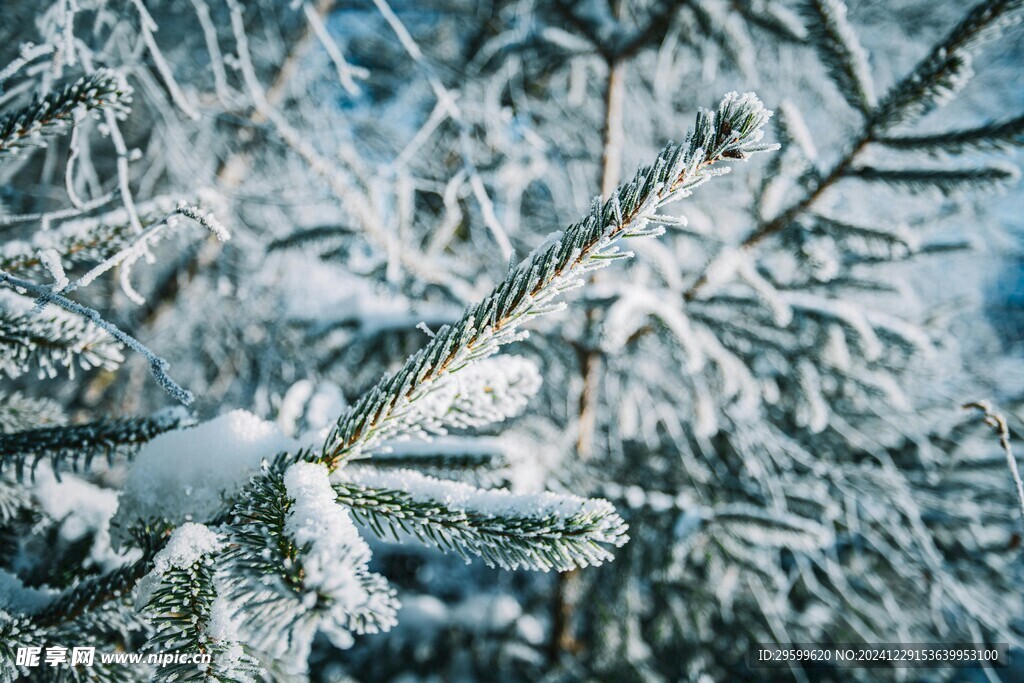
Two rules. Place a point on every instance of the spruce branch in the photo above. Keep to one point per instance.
(995, 136)
(180, 596)
(295, 559)
(77, 445)
(543, 531)
(443, 454)
(841, 52)
(53, 112)
(947, 182)
(533, 287)
(19, 412)
(90, 594)
(912, 97)
(48, 341)
(995, 419)
(158, 366)
(945, 71)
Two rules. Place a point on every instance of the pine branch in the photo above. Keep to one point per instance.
(947, 182)
(884, 243)
(533, 287)
(995, 136)
(49, 341)
(542, 531)
(84, 240)
(947, 69)
(841, 52)
(913, 96)
(316, 235)
(180, 596)
(19, 412)
(296, 560)
(77, 445)
(443, 454)
(52, 113)
(89, 594)
(157, 366)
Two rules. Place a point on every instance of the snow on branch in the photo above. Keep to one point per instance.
(534, 286)
(180, 594)
(54, 112)
(537, 531)
(296, 560)
(77, 445)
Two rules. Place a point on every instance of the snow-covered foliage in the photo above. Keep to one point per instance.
(305, 221)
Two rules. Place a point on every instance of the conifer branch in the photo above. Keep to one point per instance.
(50, 341)
(443, 454)
(19, 412)
(995, 136)
(841, 52)
(296, 560)
(77, 445)
(936, 79)
(945, 181)
(90, 594)
(53, 112)
(533, 287)
(544, 531)
(945, 71)
(158, 366)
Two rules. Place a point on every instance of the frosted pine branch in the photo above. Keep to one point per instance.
(180, 595)
(48, 341)
(19, 412)
(542, 531)
(841, 52)
(157, 366)
(534, 286)
(77, 445)
(297, 560)
(444, 454)
(55, 111)
(945, 71)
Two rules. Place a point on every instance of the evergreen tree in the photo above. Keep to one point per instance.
(766, 395)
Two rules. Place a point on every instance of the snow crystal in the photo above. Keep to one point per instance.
(186, 474)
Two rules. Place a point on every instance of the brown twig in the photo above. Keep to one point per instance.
(995, 419)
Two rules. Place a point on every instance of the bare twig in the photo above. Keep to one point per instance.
(995, 419)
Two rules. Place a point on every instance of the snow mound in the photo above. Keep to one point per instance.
(185, 475)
